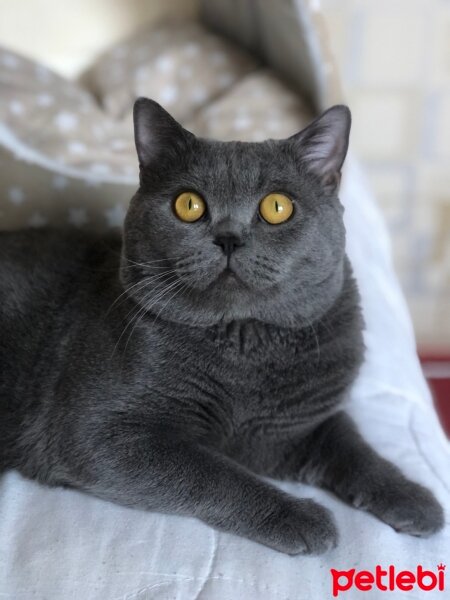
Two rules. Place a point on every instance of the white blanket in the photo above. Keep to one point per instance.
(63, 545)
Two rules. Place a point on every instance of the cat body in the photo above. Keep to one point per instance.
(169, 368)
(226, 385)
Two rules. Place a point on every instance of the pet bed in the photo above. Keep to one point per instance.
(60, 544)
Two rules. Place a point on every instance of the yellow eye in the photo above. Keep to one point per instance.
(189, 207)
(276, 208)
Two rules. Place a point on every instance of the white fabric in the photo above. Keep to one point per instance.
(63, 545)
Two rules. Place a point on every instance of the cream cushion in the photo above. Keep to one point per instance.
(66, 148)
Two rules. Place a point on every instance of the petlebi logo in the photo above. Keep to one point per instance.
(388, 579)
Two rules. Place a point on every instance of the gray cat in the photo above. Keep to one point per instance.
(213, 345)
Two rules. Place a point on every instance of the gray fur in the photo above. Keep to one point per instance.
(146, 373)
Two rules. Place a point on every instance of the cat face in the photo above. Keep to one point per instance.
(220, 231)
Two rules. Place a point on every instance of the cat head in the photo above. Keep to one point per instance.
(223, 231)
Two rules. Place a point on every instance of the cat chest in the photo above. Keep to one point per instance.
(283, 394)
(238, 387)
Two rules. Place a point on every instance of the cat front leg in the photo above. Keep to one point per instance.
(339, 459)
(162, 473)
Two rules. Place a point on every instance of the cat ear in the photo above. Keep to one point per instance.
(157, 135)
(323, 145)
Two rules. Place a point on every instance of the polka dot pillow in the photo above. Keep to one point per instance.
(66, 148)
(181, 65)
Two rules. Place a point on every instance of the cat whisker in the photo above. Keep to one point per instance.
(142, 267)
(137, 309)
(265, 264)
(146, 309)
(311, 326)
(143, 283)
(142, 309)
(158, 288)
(177, 291)
(127, 259)
(148, 263)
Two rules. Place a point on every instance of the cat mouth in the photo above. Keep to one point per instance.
(228, 273)
(229, 277)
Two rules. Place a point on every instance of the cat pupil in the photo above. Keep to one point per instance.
(277, 209)
(190, 203)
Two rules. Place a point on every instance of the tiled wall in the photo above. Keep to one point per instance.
(394, 60)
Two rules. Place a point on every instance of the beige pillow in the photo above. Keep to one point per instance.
(67, 152)
(181, 65)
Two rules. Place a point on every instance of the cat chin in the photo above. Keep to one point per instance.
(227, 309)
(229, 298)
(228, 278)
(211, 319)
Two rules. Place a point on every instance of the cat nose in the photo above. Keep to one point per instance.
(228, 243)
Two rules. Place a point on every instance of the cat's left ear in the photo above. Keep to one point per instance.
(323, 145)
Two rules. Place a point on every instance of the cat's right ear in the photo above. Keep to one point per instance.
(156, 133)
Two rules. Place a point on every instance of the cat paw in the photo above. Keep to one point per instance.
(410, 508)
(304, 528)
